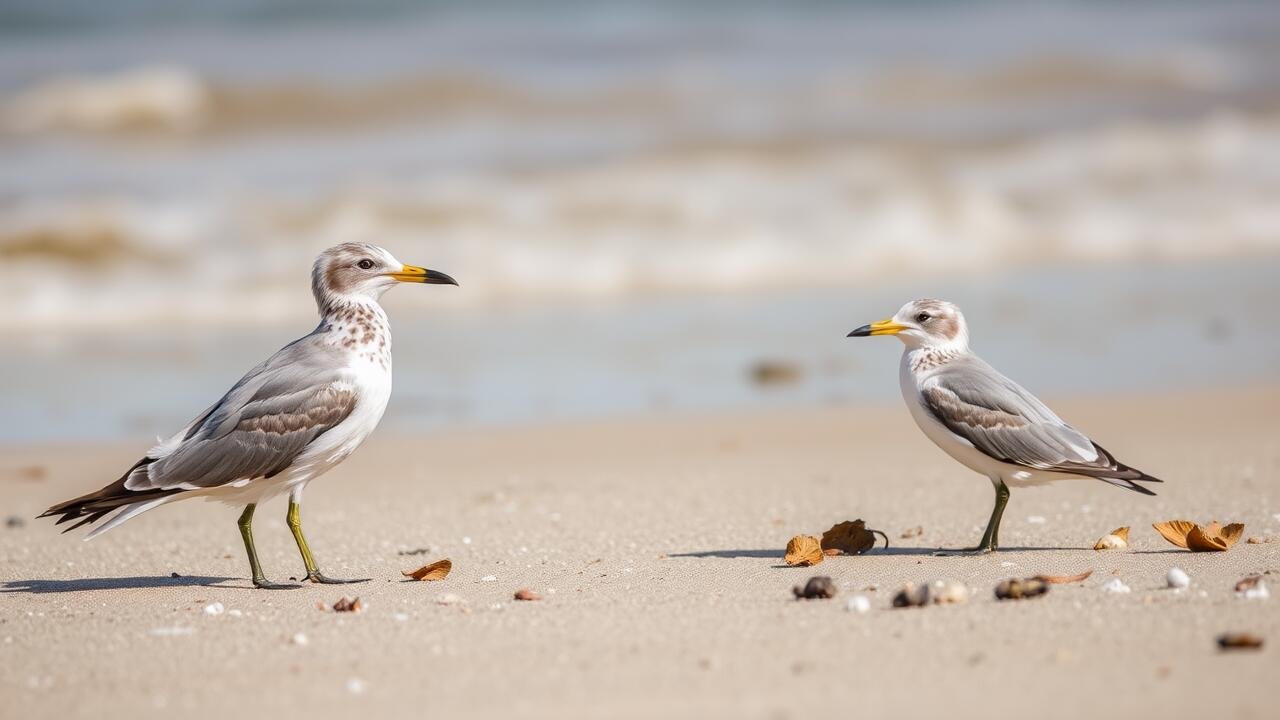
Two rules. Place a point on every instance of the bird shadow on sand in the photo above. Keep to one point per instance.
(775, 553)
(116, 583)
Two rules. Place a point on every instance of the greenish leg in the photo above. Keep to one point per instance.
(246, 532)
(991, 538)
(294, 518)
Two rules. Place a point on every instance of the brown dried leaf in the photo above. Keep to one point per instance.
(1201, 540)
(1121, 532)
(352, 605)
(804, 550)
(1239, 641)
(851, 537)
(527, 595)
(1232, 533)
(437, 570)
(1175, 531)
(1064, 579)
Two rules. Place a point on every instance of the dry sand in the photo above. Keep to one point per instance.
(656, 545)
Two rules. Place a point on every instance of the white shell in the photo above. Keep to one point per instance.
(1115, 585)
(1111, 542)
(1177, 579)
(858, 604)
(1257, 592)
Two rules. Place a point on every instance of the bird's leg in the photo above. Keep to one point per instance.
(991, 538)
(294, 518)
(246, 532)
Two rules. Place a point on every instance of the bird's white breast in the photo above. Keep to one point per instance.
(911, 382)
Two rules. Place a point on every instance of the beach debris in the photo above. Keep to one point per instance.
(1115, 586)
(437, 570)
(803, 550)
(299, 639)
(449, 599)
(1117, 539)
(851, 537)
(916, 531)
(1064, 579)
(774, 372)
(489, 578)
(819, 587)
(1197, 538)
(356, 686)
(1263, 539)
(214, 608)
(857, 604)
(346, 604)
(527, 595)
(1019, 589)
(1252, 588)
(15, 522)
(938, 592)
(1177, 578)
(1239, 641)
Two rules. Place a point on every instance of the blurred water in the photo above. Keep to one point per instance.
(1079, 330)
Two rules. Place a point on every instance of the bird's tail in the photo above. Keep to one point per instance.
(114, 498)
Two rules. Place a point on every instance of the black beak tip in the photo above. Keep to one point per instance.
(863, 331)
(435, 277)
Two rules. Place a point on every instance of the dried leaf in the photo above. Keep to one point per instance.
(437, 570)
(819, 587)
(852, 538)
(1175, 531)
(1064, 579)
(1201, 540)
(1232, 533)
(804, 550)
(352, 605)
(527, 595)
(1239, 641)
(1121, 532)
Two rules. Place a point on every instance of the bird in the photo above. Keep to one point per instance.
(982, 419)
(289, 420)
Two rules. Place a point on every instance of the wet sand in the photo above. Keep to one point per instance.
(656, 544)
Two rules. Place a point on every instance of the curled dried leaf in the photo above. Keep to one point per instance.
(804, 550)
(1175, 531)
(1239, 641)
(851, 537)
(437, 570)
(1209, 538)
(1064, 579)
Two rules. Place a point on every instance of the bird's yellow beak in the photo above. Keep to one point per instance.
(415, 274)
(882, 327)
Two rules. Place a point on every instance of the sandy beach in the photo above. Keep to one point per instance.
(656, 544)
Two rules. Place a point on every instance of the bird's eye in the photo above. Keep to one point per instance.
(922, 317)
(365, 264)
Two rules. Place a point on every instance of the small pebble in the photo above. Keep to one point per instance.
(858, 603)
(1018, 589)
(15, 521)
(356, 686)
(488, 578)
(214, 608)
(1252, 588)
(299, 639)
(1177, 579)
(1115, 585)
(819, 587)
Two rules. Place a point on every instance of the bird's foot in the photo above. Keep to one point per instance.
(265, 584)
(320, 578)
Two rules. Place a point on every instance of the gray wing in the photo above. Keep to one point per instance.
(260, 426)
(1004, 421)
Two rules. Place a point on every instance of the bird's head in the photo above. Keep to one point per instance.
(363, 271)
(923, 323)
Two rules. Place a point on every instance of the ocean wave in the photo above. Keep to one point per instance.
(696, 218)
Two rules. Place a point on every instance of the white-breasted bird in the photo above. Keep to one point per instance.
(984, 420)
(287, 421)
